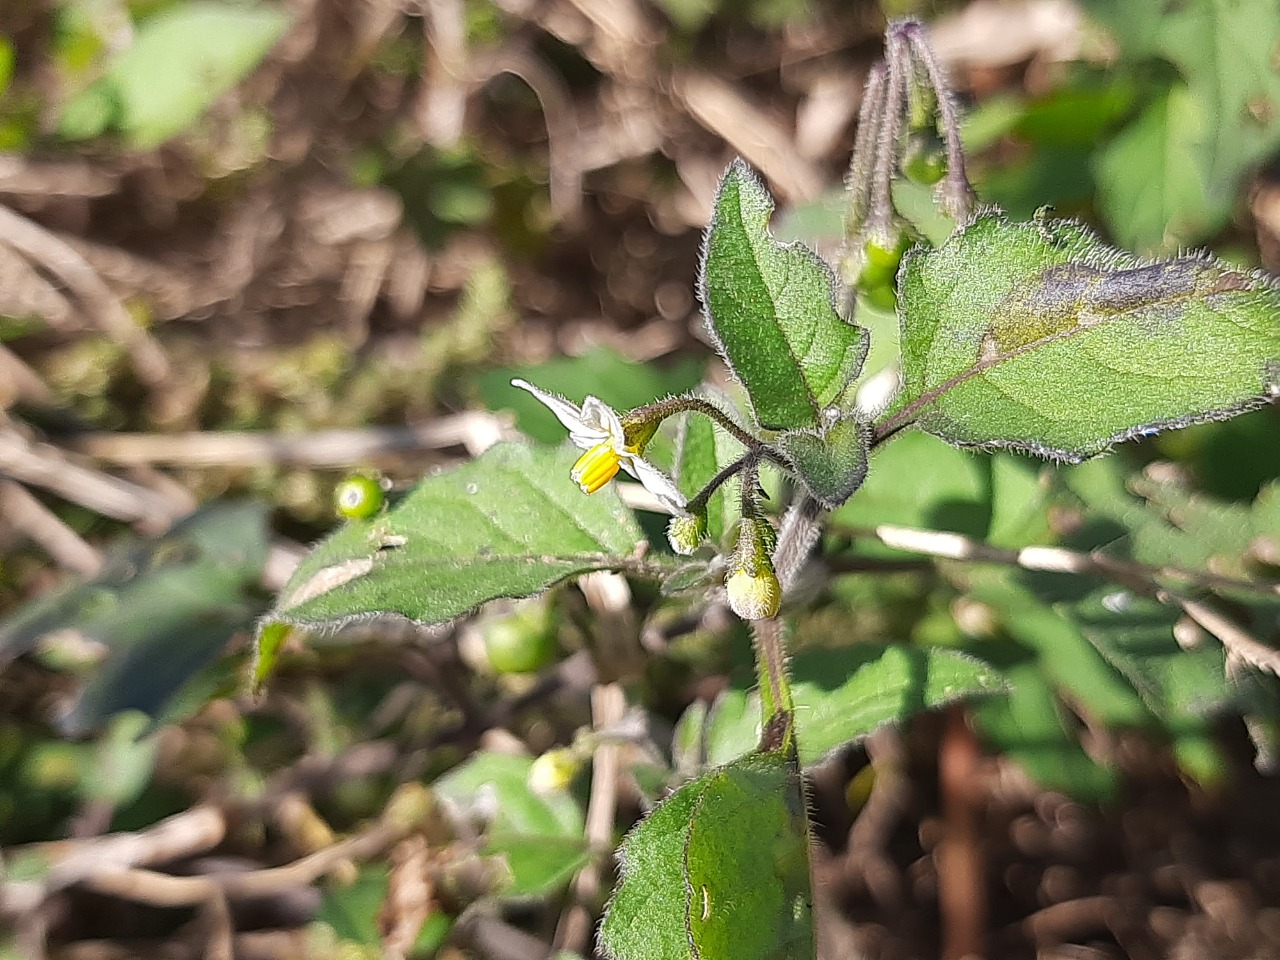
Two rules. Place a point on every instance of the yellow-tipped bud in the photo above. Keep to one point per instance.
(554, 771)
(596, 467)
(754, 596)
(686, 534)
(752, 584)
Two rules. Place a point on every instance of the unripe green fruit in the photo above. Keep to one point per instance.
(925, 160)
(880, 268)
(521, 643)
(358, 497)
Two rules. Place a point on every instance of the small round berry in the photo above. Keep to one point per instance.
(523, 642)
(358, 497)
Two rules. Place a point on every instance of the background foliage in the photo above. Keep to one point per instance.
(248, 248)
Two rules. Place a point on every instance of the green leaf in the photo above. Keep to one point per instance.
(180, 62)
(845, 693)
(539, 836)
(351, 912)
(1152, 182)
(916, 480)
(1226, 49)
(1135, 26)
(1136, 635)
(160, 611)
(718, 871)
(1038, 337)
(508, 524)
(771, 310)
(1028, 726)
(832, 463)
(1063, 655)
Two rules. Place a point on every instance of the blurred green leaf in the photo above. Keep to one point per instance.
(1152, 178)
(1062, 654)
(180, 62)
(1226, 50)
(508, 524)
(1029, 727)
(771, 311)
(538, 835)
(1078, 114)
(917, 480)
(718, 871)
(6, 64)
(1037, 337)
(843, 694)
(161, 610)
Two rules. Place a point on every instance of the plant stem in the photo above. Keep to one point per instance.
(669, 407)
(800, 530)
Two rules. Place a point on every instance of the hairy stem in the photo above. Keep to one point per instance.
(662, 409)
(800, 530)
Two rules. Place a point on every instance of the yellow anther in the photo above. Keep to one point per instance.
(596, 467)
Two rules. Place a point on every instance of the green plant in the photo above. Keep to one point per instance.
(1015, 338)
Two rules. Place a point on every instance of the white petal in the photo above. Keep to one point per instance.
(657, 483)
(582, 434)
(596, 413)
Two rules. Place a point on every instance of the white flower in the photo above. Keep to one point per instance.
(610, 445)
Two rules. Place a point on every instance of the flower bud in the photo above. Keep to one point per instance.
(754, 596)
(554, 771)
(752, 585)
(686, 534)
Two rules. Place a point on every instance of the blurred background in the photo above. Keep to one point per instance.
(249, 248)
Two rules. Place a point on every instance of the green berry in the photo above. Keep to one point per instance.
(521, 643)
(358, 497)
(880, 266)
(925, 160)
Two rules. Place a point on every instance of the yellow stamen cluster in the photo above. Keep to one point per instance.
(596, 467)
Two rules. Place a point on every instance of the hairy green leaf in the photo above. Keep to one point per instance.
(508, 524)
(771, 310)
(718, 871)
(1038, 337)
(832, 463)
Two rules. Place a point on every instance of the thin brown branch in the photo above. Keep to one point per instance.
(608, 706)
(45, 466)
(1237, 641)
(476, 431)
(54, 255)
(29, 516)
(955, 546)
(165, 890)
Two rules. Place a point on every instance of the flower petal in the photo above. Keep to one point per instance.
(583, 434)
(657, 483)
(597, 413)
